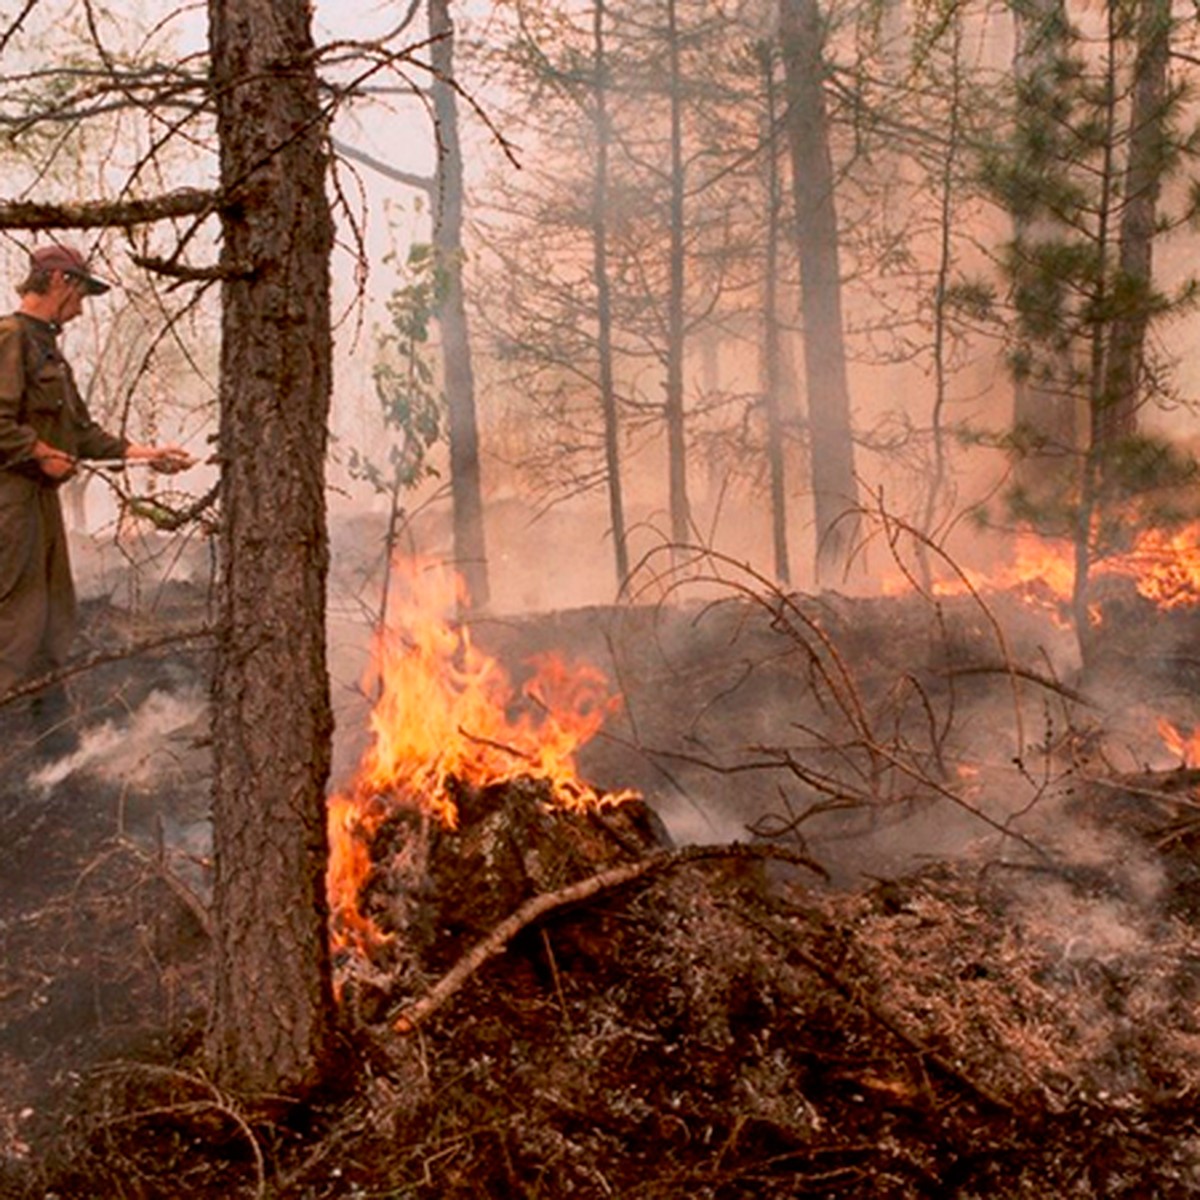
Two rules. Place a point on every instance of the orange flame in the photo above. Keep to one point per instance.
(447, 711)
(1164, 568)
(1187, 746)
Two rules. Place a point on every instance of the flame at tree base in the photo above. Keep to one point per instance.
(447, 716)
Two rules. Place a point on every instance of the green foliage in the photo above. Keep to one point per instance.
(413, 407)
(1098, 131)
(1147, 483)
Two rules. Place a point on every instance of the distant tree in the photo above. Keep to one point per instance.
(466, 488)
(606, 370)
(772, 350)
(680, 506)
(1045, 423)
(670, 143)
(1097, 134)
(412, 406)
(834, 481)
(1152, 112)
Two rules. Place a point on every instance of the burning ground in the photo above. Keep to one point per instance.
(954, 951)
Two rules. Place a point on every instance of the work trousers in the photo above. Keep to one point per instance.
(37, 596)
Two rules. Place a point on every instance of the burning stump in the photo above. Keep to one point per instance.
(432, 890)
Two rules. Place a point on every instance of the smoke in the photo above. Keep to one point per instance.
(144, 751)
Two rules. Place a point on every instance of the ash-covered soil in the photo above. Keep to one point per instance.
(955, 954)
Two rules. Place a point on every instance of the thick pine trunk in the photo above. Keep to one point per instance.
(834, 485)
(470, 547)
(272, 1019)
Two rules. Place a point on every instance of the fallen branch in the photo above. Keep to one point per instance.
(533, 910)
(100, 659)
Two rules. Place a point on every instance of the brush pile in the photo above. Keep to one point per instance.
(563, 1004)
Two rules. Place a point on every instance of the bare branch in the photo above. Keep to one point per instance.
(540, 906)
(423, 183)
(98, 214)
(187, 274)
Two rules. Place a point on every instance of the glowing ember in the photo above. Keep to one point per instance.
(447, 711)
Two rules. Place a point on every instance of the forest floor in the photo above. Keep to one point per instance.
(939, 937)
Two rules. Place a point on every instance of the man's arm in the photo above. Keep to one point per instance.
(17, 439)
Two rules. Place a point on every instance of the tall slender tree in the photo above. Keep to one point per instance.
(834, 482)
(680, 507)
(1147, 157)
(606, 378)
(458, 374)
(772, 349)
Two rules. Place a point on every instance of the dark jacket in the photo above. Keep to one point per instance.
(39, 400)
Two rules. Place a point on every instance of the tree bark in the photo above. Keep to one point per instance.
(470, 547)
(834, 485)
(106, 214)
(273, 1013)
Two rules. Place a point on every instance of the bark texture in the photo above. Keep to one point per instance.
(272, 722)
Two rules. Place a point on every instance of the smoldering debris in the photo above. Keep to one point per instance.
(562, 1003)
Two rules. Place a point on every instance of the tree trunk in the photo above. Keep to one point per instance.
(470, 548)
(1117, 417)
(273, 1011)
(772, 349)
(681, 519)
(1045, 422)
(604, 346)
(933, 509)
(835, 488)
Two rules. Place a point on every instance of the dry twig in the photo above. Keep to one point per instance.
(533, 910)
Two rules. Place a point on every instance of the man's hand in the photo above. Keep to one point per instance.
(167, 459)
(54, 464)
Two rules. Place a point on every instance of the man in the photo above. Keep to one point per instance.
(45, 430)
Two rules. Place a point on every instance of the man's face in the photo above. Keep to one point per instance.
(67, 292)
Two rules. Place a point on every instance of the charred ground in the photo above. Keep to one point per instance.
(955, 954)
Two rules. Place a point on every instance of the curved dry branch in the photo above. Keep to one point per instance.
(532, 911)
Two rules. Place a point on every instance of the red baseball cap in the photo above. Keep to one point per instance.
(69, 261)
